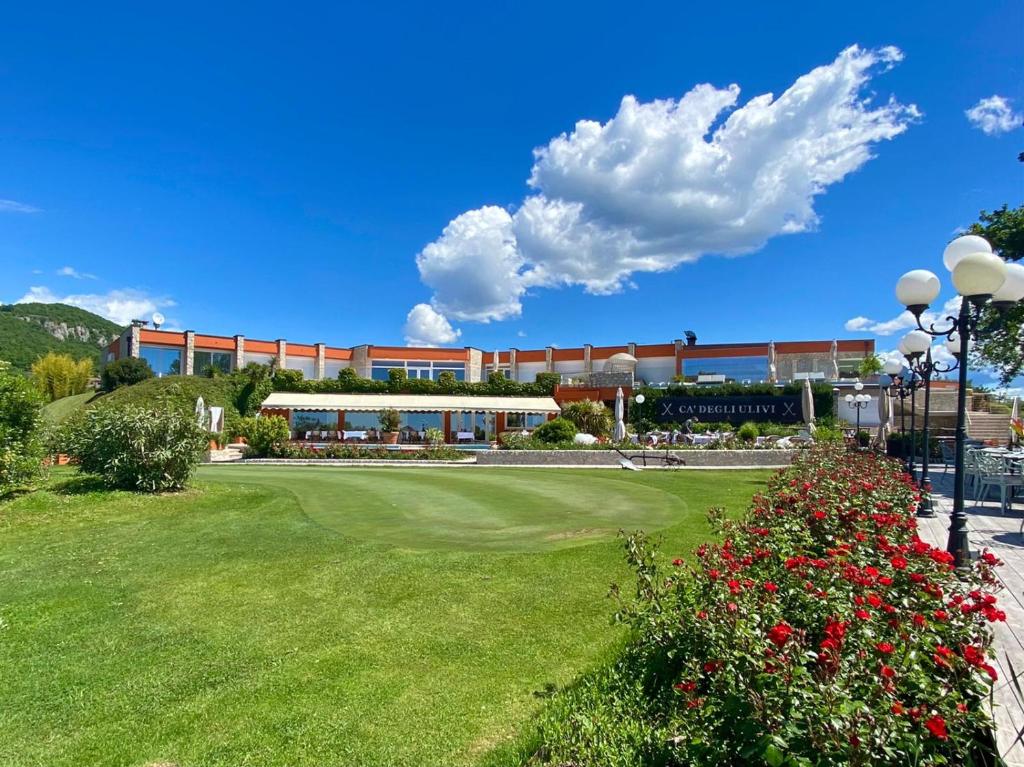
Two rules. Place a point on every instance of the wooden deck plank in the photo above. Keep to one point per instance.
(988, 529)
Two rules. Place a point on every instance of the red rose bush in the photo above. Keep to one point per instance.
(821, 630)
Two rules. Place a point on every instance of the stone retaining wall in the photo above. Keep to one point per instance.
(691, 458)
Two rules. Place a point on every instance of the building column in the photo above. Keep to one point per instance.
(499, 424)
(282, 354)
(513, 366)
(188, 363)
(549, 359)
(494, 362)
(341, 422)
(588, 363)
(447, 425)
(631, 348)
(678, 343)
(321, 361)
(239, 361)
(135, 341)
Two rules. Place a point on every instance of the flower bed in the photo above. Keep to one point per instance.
(359, 453)
(822, 630)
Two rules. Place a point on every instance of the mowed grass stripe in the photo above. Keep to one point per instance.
(513, 510)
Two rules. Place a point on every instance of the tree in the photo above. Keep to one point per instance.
(61, 375)
(124, 372)
(21, 444)
(589, 417)
(870, 366)
(264, 435)
(1001, 343)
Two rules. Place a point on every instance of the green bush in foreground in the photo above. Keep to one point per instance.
(131, 448)
(821, 631)
(21, 418)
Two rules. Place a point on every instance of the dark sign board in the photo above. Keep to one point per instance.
(782, 408)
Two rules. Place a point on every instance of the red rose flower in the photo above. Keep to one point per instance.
(688, 686)
(885, 648)
(677, 562)
(887, 672)
(770, 587)
(780, 633)
(863, 614)
(937, 727)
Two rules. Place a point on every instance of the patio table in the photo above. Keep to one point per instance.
(461, 435)
(354, 434)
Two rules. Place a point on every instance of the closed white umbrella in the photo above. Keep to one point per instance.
(620, 411)
(835, 360)
(807, 404)
(884, 415)
(773, 370)
(201, 413)
(1014, 416)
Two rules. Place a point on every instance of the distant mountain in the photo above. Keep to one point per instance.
(28, 331)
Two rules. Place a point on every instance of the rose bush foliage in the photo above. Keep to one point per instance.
(821, 631)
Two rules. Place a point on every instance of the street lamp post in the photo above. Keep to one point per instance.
(982, 279)
(913, 345)
(859, 401)
(639, 399)
(926, 368)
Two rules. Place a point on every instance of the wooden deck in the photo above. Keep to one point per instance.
(989, 529)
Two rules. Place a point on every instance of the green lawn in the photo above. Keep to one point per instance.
(315, 616)
(56, 411)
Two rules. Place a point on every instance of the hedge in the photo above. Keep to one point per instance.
(820, 631)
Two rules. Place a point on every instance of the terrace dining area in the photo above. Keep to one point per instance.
(355, 418)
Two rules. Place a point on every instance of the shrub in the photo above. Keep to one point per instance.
(589, 417)
(61, 375)
(133, 448)
(434, 436)
(124, 372)
(264, 435)
(748, 432)
(21, 418)
(828, 434)
(289, 380)
(389, 419)
(558, 430)
(397, 378)
(821, 630)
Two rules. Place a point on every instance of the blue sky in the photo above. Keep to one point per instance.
(276, 173)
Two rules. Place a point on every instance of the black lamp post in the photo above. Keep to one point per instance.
(903, 386)
(982, 279)
(925, 366)
(859, 401)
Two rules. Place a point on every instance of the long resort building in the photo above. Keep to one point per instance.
(585, 372)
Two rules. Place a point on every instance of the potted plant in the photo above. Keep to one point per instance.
(389, 420)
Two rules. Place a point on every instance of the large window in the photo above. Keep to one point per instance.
(738, 369)
(356, 421)
(416, 369)
(314, 420)
(203, 362)
(524, 420)
(164, 361)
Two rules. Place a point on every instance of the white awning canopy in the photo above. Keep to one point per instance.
(415, 403)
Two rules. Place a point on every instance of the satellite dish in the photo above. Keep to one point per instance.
(158, 319)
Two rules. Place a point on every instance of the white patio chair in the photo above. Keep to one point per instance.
(994, 471)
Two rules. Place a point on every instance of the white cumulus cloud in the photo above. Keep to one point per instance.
(663, 183)
(424, 326)
(120, 306)
(994, 115)
(905, 320)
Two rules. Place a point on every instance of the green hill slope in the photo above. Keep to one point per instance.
(28, 331)
(58, 410)
(179, 392)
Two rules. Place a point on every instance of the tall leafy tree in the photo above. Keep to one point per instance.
(1001, 344)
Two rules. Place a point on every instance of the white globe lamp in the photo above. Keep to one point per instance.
(917, 289)
(978, 276)
(964, 246)
(1012, 289)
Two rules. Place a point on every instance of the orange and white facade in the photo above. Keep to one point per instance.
(190, 353)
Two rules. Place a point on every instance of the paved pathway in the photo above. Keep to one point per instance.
(989, 529)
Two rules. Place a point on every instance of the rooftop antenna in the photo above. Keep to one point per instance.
(158, 320)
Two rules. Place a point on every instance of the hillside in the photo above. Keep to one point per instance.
(178, 392)
(28, 331)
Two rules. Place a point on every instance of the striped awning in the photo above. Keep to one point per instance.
(414, 403)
